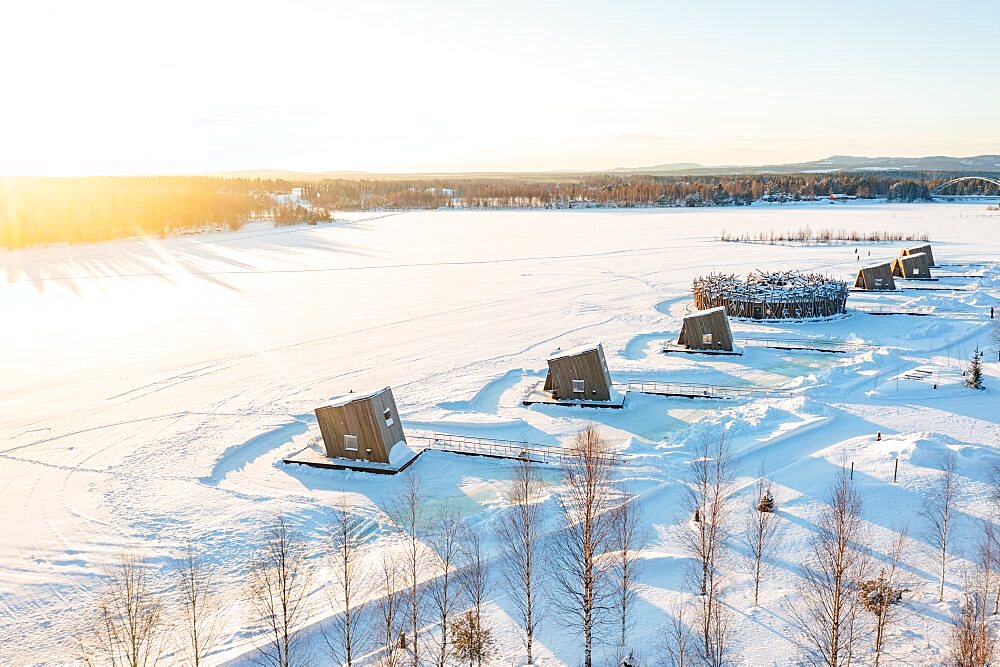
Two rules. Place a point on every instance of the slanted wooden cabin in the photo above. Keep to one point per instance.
(707, 330)
(361, 426)
(580, 373)
(925, 249)
(874, 278)
(912, 266)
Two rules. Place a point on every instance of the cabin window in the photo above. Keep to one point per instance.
(916, 270)
(878, 282)
(387, 415)
(350, 443)
(706, 339)
(578, 387)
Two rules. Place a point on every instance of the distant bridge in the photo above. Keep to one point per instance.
(939, 191)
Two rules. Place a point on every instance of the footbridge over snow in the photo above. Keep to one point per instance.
(957, 189)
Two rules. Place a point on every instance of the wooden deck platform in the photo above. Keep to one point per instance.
(538, 396)
(314, 459)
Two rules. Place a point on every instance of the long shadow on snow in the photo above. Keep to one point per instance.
(235, 457)
(487, 399)
(635, 349)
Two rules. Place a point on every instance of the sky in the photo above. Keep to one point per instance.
(144, 87)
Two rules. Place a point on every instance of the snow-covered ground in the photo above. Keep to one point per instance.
(150, 388)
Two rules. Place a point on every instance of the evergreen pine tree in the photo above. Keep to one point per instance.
(974, 377)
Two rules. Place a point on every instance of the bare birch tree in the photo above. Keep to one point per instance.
(760, 532)
(277, 584)
(199, 604)
(444, 541)
(518, 535)
(676, 648)
(990, 558)
(351, 586)
(582, 572)
(991, 533)
(937, 511)
(389, 605)
(474, 641)
(882, 596)
(972, 641)
(706, 501)
(407, 514)
(128, 628)
(627, 541)
(827, 610)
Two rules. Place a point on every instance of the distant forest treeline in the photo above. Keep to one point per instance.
(51, 210)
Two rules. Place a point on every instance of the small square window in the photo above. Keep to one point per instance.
(578, 387)
(706, 339)
(387, 416)
(916, 270)
(350, 443)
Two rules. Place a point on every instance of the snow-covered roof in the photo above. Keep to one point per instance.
(573, 351)
(355, 396)
(707, 311)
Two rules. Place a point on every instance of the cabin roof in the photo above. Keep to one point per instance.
(355, 396)
(573, 351)
(707, 311)
(873, 267)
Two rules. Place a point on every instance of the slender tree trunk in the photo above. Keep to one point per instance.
(518, 538)
(587, 536)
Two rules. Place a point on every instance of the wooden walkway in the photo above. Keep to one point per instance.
(919, 312)
(444, 442)
(498, 449)
(715, 391)
(807, 344)
(811, 344)
(890, 310)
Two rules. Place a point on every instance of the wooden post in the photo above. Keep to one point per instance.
(895, 470)
(852, 469)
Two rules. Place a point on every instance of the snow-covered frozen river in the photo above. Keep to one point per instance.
(149, 388)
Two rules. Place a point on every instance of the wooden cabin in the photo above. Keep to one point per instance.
(874, 278)
(912, 266)
(363, 427)
(578, 374)
(925, 249)
(707, 330)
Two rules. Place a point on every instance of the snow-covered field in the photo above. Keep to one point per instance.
(149, 389)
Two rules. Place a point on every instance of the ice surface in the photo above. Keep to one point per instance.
(151, 387)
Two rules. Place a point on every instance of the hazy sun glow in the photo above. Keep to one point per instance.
(112, 86)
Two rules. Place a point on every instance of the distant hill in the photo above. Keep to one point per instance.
(288, 175)
(851, 163)
(977, 163)
(676, 167)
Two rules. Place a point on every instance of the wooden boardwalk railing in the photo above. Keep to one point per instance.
(502, 449)
(817, 344)
(694, 390)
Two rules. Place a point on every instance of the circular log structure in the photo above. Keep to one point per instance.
(780, 295)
